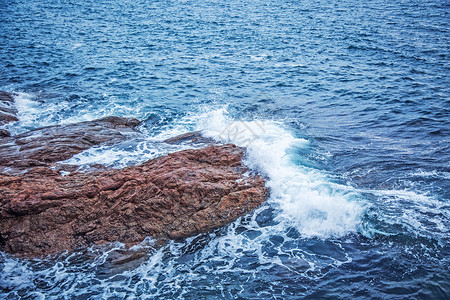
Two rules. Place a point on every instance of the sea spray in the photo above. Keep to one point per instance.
(307, 198)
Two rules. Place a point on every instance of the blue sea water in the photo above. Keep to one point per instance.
(343, 105)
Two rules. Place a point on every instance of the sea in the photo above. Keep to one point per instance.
(342, 105)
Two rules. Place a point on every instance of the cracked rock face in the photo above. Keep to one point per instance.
(170, 197)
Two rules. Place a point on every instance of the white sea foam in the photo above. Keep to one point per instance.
(33, 114)
(417, 211)
(123, 154)
(307, 197)
(259, 57)
(28, 112)
(431, 174)
(25, 106)
(36, 114)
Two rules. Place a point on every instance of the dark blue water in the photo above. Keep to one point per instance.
(350, 109)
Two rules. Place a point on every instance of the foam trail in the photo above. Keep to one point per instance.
(35, 114)
(418, 212)
(307, 198)
(25, 106)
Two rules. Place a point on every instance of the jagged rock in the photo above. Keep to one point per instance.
(193, 138)
(47, 145)
(8, 110)
(4, 133)
(173, 196)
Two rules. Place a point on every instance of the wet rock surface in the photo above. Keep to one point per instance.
(170, 197)
(8, 110)
(193, 138)
(47, 145)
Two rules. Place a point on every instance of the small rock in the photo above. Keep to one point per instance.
(8, 110)
(194, 137)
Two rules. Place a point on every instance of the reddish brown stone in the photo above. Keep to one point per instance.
(193, 138)
(174, 196)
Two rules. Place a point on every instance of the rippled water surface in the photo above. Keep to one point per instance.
(342, 105)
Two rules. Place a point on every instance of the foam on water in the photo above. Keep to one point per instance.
(306, 196)
(28, 112)
(123, 154)
(433, 174)
(34, 113)
(418, 212)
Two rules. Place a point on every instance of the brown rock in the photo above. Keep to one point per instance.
(8, 110)
(174, 196)
(4, 133)
(47, 145)
(193, 138)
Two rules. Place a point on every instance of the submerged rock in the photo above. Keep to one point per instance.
(47, 145)
(8, 110)
(4, 133)
(173, 196)
(193, 138)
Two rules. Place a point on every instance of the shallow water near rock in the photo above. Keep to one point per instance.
(342, 105)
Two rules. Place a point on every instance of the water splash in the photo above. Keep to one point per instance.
(306, 196)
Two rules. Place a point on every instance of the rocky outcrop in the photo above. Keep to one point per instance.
(174, 196)
(193, 138)
(8, 110)
(47, 145)
(178, 195)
